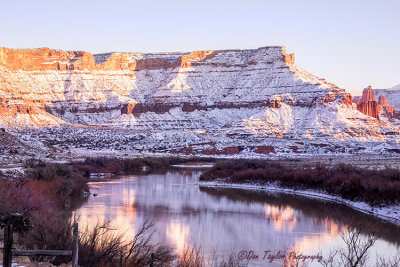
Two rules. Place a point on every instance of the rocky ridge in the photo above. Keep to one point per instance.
(209, 102)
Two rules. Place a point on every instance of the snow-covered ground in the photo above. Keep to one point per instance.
(211, 102)
(194, 166)
(387, 213)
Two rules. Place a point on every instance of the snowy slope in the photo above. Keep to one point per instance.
(392, 95)
(224, 102)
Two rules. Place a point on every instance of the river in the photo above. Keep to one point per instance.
(231, 221)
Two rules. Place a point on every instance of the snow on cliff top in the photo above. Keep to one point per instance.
(397, 87)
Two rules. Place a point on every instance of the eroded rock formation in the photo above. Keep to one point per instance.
(367, 103)
(383, 105)
(78, 87)
(239, 100)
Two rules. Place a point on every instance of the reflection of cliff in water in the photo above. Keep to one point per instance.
(319, 210)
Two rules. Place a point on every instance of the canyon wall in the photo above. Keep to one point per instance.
(224, 100)
(78, 87)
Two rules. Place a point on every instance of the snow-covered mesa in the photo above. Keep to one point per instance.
(204, 102)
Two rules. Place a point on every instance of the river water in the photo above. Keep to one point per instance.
(231, 221)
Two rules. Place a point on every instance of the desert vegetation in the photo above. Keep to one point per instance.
(41, 201)
(356, 251)
(349, 182)
(100, 245)
(134, 165)
(44, 197)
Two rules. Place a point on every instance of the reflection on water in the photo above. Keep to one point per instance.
(282, 217)
(224, 220)
(177, 234)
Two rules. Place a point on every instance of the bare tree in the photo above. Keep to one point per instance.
(140, 250)
(355, 253)
(393, 262)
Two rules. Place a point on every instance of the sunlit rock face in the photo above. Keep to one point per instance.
(222, 102)
(368, 105)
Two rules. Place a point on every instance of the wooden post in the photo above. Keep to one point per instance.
(121, 258)
(152, 260)
(75, 246)
(8, 243)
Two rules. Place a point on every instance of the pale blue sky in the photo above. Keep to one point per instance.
(350, 43)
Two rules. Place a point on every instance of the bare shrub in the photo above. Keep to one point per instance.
(375, 187)
(49, 233)
(191, 256)
(64, 181)
(100, 245)
(139, 251)
(22, 197)
(132, 165)
(355, 253)
(194, 256)
(232, 261)
(392, 262)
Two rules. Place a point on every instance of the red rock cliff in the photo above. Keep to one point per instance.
(368, 104)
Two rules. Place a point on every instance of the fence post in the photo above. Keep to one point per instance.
(121, 257)
(75, 246)
(152, 260)
(8, 243)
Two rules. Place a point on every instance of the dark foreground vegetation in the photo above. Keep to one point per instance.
(132, 166)
(375, 187)
(39, 205)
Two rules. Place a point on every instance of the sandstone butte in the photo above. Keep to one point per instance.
(51, 59)
(70, 64)
(46, 59)
(368, 105)
(223, 100)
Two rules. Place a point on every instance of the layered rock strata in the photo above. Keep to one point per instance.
(367, 104)
(226, 101)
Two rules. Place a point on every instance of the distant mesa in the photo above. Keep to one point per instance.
(210, 102)
(42, 59)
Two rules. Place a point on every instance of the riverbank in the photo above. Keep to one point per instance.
(390, 213)
(60, 176)
(372, 191)
(46, 193)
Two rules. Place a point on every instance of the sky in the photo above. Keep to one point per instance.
(350, 43)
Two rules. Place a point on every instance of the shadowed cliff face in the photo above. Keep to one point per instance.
(210, 97)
